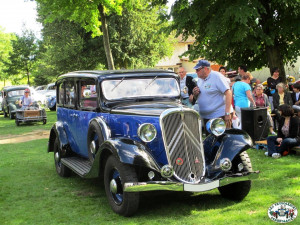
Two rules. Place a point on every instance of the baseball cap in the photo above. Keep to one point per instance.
(27, 90)
(202, 63)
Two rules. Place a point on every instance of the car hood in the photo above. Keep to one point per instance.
(145, 108)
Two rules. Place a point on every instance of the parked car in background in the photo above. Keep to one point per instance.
(1, 99)
(132, 130)
(49, 94)
(40, 88)
(11, 96)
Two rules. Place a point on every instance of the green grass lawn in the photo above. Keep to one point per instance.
(8, 126)
(32, 193)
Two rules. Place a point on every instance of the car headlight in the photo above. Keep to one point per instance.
(216, 126)
(147, 132)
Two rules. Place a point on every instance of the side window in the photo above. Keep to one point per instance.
(88, 94)
(61, 93)
(69, 93)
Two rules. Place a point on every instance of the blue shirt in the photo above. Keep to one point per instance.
(240, 96)
(211, 98)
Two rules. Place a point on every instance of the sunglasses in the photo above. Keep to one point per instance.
(200, 69)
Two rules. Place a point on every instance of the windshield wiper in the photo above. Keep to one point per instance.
(151, 82)
(118, 84)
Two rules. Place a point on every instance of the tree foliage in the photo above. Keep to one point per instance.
(24, 55)
(67, 47)
(136, 42)
(88, 14)
(5, 50)
(137, 36)
(256, 33)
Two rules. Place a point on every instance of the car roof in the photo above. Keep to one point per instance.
(117, 73)
(11, 88)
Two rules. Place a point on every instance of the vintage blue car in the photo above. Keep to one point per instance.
(131, 130)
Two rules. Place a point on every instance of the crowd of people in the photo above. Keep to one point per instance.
(218, 96)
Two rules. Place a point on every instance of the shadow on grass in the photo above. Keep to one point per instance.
(159, 203)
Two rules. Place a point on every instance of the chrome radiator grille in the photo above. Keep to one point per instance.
(181, 129)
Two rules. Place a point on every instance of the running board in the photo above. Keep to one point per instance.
(79, 165)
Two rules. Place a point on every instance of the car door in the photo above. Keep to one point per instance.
(87, 103)
(66, 110)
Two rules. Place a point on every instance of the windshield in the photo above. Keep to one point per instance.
(134, 88)
(15, 93)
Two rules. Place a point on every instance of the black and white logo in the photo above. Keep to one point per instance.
(282, 212)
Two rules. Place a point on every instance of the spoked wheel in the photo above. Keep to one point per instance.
(238, 191)
(94, 140)
(115, 175)
(61, 169)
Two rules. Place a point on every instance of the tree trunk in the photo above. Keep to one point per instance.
(275, 60)
(27, 73)
(109, 58)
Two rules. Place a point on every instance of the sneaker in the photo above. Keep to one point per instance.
(266, 153)
(276, 155)
(273, 133)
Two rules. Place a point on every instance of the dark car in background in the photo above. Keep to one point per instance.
(131, 130)
(11, 96)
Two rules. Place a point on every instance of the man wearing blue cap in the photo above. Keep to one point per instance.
(211, 89)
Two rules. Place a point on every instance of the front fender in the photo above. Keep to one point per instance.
(130, 152)
(228, 145)
(12, 107)
(57, 130)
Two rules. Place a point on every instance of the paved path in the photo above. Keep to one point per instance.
(11, 139)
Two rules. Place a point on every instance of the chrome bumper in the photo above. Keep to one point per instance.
(176, 186)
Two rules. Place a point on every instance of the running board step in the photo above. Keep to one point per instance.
(78, 165)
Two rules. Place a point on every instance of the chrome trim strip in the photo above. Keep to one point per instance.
(176, 186)
(201, 187)
(104, 127)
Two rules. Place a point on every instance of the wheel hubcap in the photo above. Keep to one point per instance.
(57, 157)
(116, 189)
(113, 186)
(93, 147)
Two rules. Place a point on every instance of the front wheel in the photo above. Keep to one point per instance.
(44, 121)
(17, 122)
(238, 191)
(11, 116)
(53, 108)
(115, 175)
(61, 169)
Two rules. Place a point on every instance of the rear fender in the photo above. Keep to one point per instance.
(57, 131)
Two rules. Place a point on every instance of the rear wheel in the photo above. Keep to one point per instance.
(44, 121)
(238, 191)
(94, 140)
(115, 175)
(61, 169)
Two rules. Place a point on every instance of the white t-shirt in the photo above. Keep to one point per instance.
(183, 88)
(26, 101)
